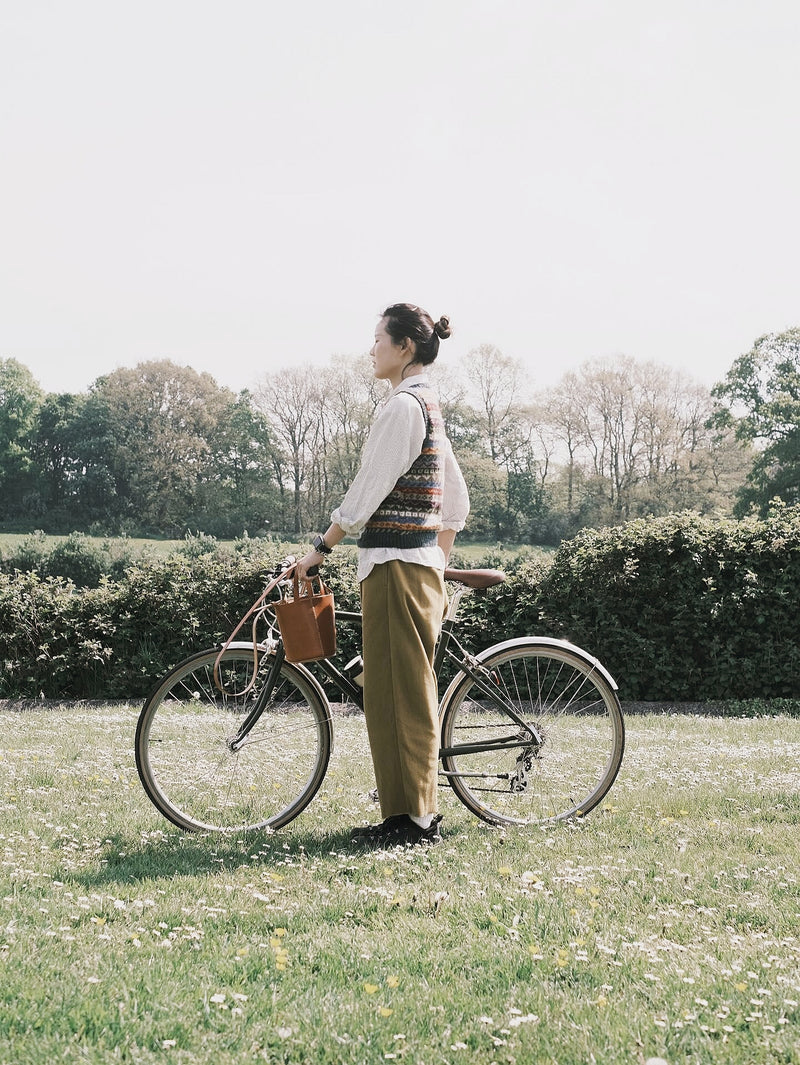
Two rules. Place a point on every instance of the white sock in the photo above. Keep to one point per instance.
(424, 821)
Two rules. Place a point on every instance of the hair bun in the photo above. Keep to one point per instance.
(442, 327)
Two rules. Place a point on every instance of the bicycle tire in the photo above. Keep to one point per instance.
(571, 702)
(183, 745)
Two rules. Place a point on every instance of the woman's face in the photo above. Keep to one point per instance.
(388, 358)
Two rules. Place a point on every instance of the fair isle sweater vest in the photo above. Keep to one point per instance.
(410, 516)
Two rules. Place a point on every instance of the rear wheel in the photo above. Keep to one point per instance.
(202, 774)
(562, 758)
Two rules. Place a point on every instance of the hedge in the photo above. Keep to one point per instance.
(112, 642)
(685, 607)
(681, 608)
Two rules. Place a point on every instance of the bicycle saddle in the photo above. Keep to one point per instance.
(475, 578)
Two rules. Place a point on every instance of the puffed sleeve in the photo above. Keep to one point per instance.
(455, 500)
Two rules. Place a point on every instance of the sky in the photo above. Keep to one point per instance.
(242, 186)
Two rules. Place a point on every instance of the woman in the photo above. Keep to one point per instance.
(406, 504)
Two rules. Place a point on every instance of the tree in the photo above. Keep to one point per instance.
(149, 449)
(294, 403)
(20, 399)
(236, 489)
(632, 439)
(561, 409)
(352, 396)
(497, 381)
(760, 400)
(488, 488)
(57, 445)
(610, 424)
(462, 423)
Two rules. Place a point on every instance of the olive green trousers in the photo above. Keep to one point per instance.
(402, 605)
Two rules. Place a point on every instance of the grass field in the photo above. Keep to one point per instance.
(665, 924)
(11, 542)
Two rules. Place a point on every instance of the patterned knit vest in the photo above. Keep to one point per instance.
(410, 516)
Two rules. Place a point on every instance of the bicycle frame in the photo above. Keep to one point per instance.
(465, 662)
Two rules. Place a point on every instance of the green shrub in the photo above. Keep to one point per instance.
(30, 554)
(507, 610)
(195, 545)
(678, 608)
(684, 607)
(77, 558)
(113, 641)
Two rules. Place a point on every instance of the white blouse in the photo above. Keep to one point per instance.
(394, 442)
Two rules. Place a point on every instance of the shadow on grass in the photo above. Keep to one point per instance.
(172, 855)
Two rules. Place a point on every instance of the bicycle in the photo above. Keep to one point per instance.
(531, 728)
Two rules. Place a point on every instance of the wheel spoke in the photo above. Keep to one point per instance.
(561, 764)
(195, 772)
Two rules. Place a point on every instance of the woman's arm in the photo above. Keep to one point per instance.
(446, 537)
(455, 502)
(333, 535)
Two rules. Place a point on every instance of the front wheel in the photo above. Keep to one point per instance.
(535, 735)
(204, 771)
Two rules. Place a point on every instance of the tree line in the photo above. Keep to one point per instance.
(161, 449)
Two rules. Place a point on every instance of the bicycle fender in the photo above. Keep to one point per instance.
(527, 641)
(549, 641)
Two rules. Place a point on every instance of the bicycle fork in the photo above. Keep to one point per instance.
(236, 742)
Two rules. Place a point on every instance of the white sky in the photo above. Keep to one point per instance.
(243, 185)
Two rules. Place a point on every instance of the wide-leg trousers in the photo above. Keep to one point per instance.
(402, 605)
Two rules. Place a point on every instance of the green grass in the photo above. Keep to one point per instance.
(467, 553)
(666, 924)
(11, 542)
(473, 553)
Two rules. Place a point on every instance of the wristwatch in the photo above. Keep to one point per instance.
(319, 545)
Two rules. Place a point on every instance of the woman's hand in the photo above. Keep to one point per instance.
(314, 559)
(311, 561)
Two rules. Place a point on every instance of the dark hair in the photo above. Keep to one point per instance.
(404, 320)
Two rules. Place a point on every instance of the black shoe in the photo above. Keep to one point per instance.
(369, 833)
(400, 831)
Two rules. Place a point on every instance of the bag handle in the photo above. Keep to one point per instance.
(256, 611)
(308, 583)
